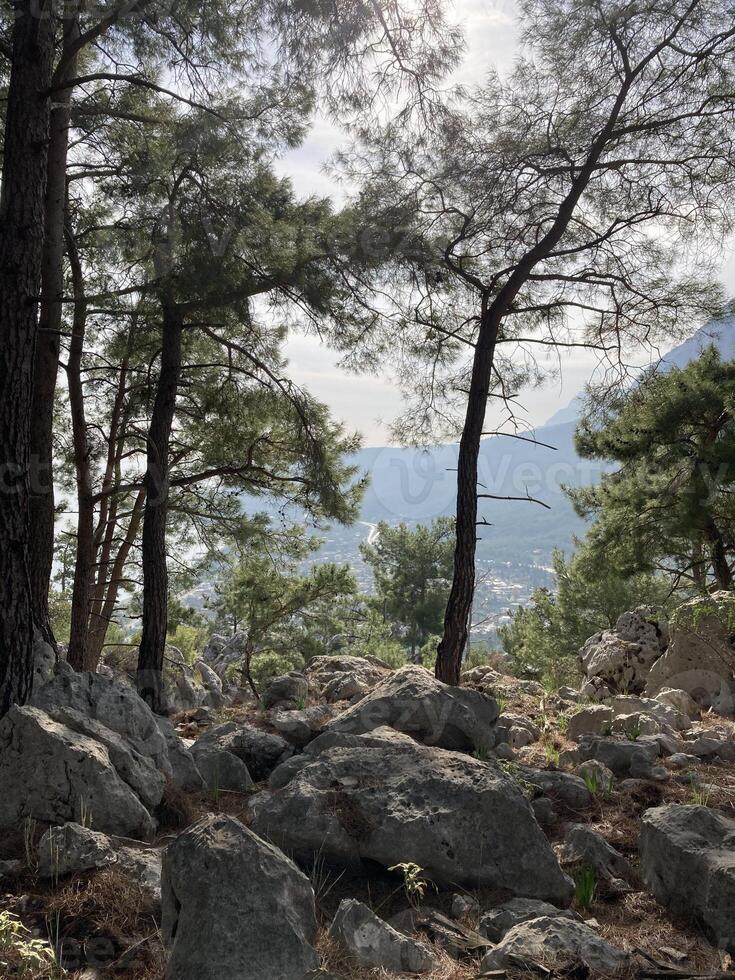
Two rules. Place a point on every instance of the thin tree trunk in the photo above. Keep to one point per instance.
(155, 572)
(459, 604)
(47, 351)
(25, 155)
(84, 562)
(102, 614)
(718, 556)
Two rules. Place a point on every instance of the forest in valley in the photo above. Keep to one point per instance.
(484, 231)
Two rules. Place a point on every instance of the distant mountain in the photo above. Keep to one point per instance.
(721, 333)
(514, 554)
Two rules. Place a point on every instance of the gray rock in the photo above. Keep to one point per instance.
(376, 944)
(221, 769)
(561, 787)
(71, 848)
(683, 702)
(464, 905)
(291, 690)
(113, 704)
(584, 847)
(709, 747)
(412, 701)
(300, 727)
(234, 906)
(687, 858)
(598, 779)
(345, 687)
(44, 660)
(625, 705)
(621, 756)
(500, 920)
(138, 771)
(260, 751)
(55, 775)
(388, 799)
(214, 694)
(516, 731)
(558, 943)
(184, 772)
(593, 719)
(700, 658)
(328, 673)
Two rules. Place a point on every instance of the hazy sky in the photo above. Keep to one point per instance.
(370, 403)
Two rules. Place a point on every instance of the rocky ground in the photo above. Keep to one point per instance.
(361, 822)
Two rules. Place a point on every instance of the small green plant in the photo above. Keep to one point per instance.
(551, 753)
(414, 884)
(700, 796)
(606, 728)
(563, 724)
(591, 779)
(585, 887)
(21, 955)
(633, 732)
(482, 753)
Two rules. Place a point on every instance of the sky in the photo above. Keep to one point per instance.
(370, 403)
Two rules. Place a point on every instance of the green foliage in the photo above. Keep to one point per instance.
(543, 639)
(190, 640)
(287, 615)
(412, 570)
(414, 883)
(59, 608)
(585, 888)
(23, 956)
(670, 503)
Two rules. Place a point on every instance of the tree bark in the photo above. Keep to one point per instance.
(459, 604)
(718, 556)
(155, 573)
(85, 551)
(47, 350)
(25, 156)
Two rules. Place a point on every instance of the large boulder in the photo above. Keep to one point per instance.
(54, 774)
(413, 701)
(558, 943)
(113, 704)
(584, 847)
(700, 658)
(289, 691)
(234, 906)
(621, 756)
(687, 858)
(260, 751)
(383, 797)
(620, 659)
(374, 943)
(184, 772)
(72, 848)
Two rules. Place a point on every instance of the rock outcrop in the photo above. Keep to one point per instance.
(54, 774)
(234, 906)
(383, 797)
(687, 858)
(413, 701)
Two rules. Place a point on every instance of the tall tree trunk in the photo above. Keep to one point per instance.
(718, 555)
(47, 350)
(459, 604)
(155, 573)
(25, 155)
(85, 552)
